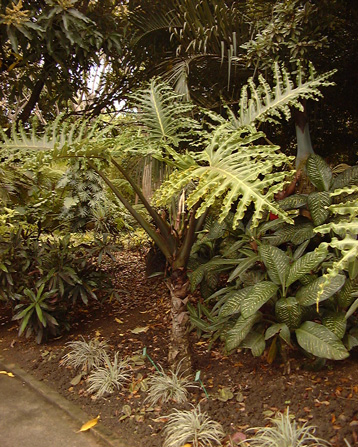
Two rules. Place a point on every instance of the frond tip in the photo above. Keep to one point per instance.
(263, 103)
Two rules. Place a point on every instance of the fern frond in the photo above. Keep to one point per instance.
(263, 103)
(232, 170)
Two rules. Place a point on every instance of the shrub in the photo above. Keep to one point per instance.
(192, 427)
(85, 355)
(109, 377)
(42, 280)
(164, 387)
(286, 433)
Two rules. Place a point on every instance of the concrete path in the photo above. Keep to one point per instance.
(33, 415)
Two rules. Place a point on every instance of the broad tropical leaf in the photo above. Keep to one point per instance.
(310, 294)
(257, 297)
(234, 300)
(277, 263)
(318, 203)
(289, 312)
(346, 178)
(346, 295)
(281, 329)
(336, 323)
(293, 202)
(320, 341)
(256, 342)
(239, 332)
(319, 172)
(243, 265)
(306, 264)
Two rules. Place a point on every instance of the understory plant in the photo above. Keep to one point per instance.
(43, 279)
(192, 427)
(85, 355)
(164, 387)
(285, 432)
(288, 284)
(108, 377)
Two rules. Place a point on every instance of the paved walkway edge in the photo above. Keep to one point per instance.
(52, 396)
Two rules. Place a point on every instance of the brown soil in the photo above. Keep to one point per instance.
(327, 398)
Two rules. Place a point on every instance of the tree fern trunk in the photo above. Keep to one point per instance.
(179, 348)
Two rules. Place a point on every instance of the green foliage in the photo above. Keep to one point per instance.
(85, 355)
(285, 432)
(108, 377)
(191, 426)
(42, 280)
(164, 387)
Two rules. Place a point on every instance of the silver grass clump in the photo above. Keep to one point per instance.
(286, 433)
(193, 427)
(110, 377)
(164, 387)
(85, 355)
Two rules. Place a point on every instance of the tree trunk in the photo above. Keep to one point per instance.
(304, 145)
(179, 348)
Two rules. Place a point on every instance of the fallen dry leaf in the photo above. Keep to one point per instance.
(139, 330)
(89, 424)
(10, 374)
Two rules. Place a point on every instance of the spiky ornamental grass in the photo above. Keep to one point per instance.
(110, 377)
(192, 426)
(85, 355)
(164, 387)
(286, 433)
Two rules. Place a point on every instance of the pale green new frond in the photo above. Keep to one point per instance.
(263, 103)
(234, 171)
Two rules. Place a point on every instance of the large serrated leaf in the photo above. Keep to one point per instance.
(233, 303)
(256, 342)
(336, 323)
(257, 297)
(277, 263)
(320, 341)
(319, 172)
(317, 204)
(239, 332)
(288, 311)
(308, 295)
(306, 264)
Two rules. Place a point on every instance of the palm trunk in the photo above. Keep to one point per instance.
(179, 348)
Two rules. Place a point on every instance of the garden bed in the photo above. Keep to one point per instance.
(243, 390)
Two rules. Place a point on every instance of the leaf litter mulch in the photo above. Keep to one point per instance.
(243, 391)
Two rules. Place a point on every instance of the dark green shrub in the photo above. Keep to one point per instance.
(43, 280)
